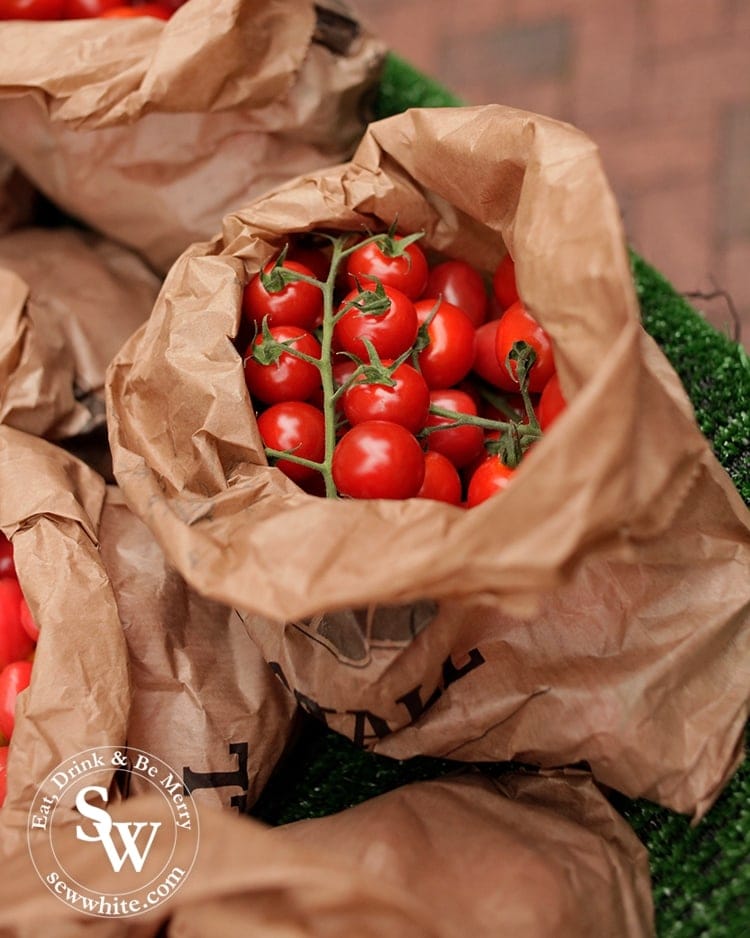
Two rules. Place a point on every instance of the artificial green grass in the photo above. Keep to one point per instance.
(701, 875)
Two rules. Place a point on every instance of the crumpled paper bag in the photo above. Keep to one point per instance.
(596, 610)
(128, 654)
(151, 131)
(68, 301)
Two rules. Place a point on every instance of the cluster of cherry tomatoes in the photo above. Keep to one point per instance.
(376, 374)
(18, 637)
(85, 9)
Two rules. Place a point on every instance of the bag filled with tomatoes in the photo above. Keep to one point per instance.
(151, 129)
(604, 552)
(126, 653)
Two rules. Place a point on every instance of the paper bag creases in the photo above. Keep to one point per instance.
(586, 541)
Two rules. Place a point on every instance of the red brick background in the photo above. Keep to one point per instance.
(662, 86)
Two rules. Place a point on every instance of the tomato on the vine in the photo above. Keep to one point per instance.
(485, 362)
(517, 325)
(15, 644)
(378, 459)
(551, 403)
(460, 444)
(7, 567)
(391, 264)
(14, 678)
(84, 9)
(297, 303)
(31, 9)
(490, 476)
(289, 378)
(407, 402)
(391, 326)
(449, 355)
(442, 482)
(504, 282)
(460, 284)
(297, 427)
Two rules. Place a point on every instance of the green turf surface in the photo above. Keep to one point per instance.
(701, 875)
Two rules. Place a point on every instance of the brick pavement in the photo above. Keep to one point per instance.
(662, 86)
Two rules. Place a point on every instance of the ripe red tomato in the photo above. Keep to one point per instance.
(459, 444)
(295, 426)
(442, 482)
(315, 259)
(83, 9)
(143, 9)
(7, 567)
(405, 271)
(296, 304)
(14, 678)
(449, 356)
(3, 773)
(391, 331)
(15, 644)
(517, 325)
(551, 403)
(31, 9)
(485, 362)
(490, 476)
(288, 379)
(28, 623)
(407, 403)
(504, 282)
(378, 459)
(461, 285)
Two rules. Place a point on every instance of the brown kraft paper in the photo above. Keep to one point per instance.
(596, 610)
(151, 132)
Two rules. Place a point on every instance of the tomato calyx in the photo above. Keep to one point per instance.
(270, 349)
(279, 277)
(368, 302)
(393, 246)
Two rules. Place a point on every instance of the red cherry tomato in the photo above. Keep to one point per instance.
(377, 459)
(297, 304)
(7, 567)
(83, 9)
(315, 259)
(288, 379)
(405, 271)
(460, 284)
(459, 444)
(15, 644)
(14, 678)
(485, 362)
(517, 325)
(3, 773)
(391, 332)
(407, 403)
(551, 403)
(450, 354)
(143, 9)
(295, 426)
(504, 282)
(31, 9)
(490, 476)
(28, 623)
(442, 482)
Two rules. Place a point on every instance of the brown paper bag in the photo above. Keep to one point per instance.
(68, 301)
(17, 197)
(588, 612)
(152, 131)
(127, 654)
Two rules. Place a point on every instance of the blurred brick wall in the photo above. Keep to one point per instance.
(662, 86)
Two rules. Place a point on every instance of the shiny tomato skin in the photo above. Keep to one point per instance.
(391, 332)
(442, 482)
(504, 282)
(378, 459)
(407, 403)
(450, 354)
(551, 403)
(28, 623)
(15, 644)
(297, 426)
(406, 272)
(143, 9)
(288, 379)
(297, 304)
(3, 773)
(490, 477)
(14, 678)
(458, 444)
(85, 9)
(31, 9)
(485, 362)
(460, 284)
(517, 325)
(7, 566)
